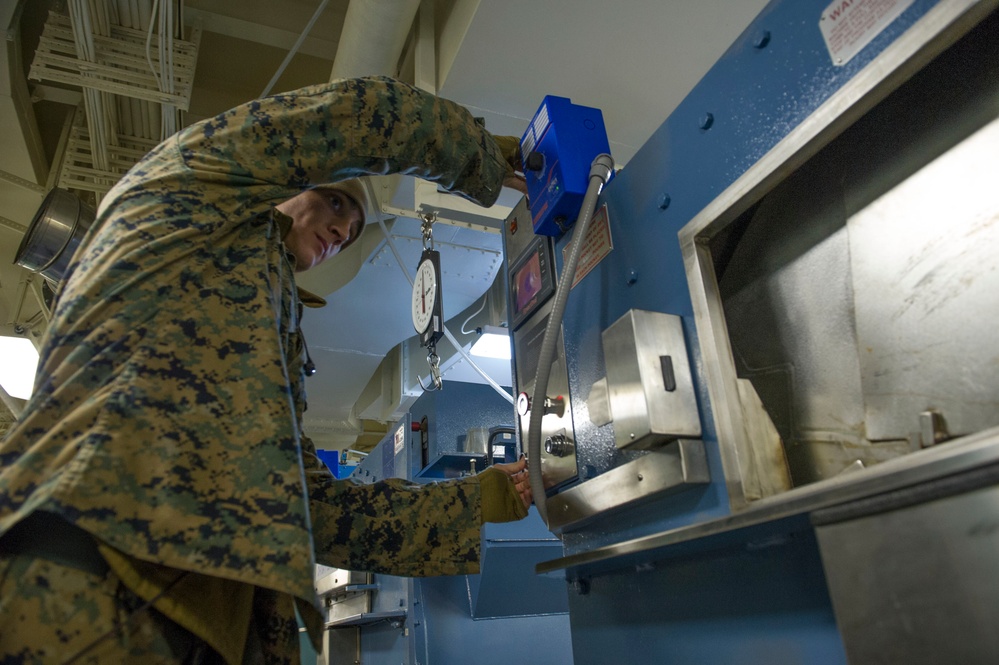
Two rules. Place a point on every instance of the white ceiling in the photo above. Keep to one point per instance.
(633, 59)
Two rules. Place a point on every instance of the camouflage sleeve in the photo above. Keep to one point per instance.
(270, 149)
(393, 526)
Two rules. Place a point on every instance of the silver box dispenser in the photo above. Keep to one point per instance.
(649, 390)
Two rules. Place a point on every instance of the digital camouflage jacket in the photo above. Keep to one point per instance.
(166, 414)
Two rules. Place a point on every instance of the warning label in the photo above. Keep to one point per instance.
(849, 25)
(596, 245)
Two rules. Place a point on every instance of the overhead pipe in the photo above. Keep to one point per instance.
(373, 36)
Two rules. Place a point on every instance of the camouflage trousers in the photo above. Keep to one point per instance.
(54, 613)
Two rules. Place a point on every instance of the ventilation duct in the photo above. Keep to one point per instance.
(54, 235)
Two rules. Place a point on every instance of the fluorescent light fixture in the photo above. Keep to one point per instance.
(494, 342)
(17, 371)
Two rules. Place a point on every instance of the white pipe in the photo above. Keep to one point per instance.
(373, 36)
(149, 42)
(294, 48)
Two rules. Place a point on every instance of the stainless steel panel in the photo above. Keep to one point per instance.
(940, 461)
(555, 468)
(927, 294)
(348, 610)
(792, 326)
(789, 310)
(677, 466)
(346, 593)
(939, 29)
(333, 581)
(341, 646)
(918, 585)
(644, 409)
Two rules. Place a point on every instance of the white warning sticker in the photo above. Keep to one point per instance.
(849, 25)
(399, 440)
(596, 245)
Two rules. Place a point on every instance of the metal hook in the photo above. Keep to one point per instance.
(435, 372)
(427, 227)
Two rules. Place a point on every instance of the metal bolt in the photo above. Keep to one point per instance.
(632, 277)
(707, 120)
(641, 477)
(762, 39)
(664, 201)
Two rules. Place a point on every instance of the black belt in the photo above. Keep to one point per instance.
(45, 535)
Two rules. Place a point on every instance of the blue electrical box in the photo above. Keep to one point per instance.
(338, 467)
(557, 150)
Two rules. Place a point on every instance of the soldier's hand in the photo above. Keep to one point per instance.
(517, 182)
(510, 149)
(521, 479)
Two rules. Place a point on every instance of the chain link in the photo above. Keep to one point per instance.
(435, 369)
(427, 227)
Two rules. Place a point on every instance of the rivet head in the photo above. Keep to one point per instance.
(707, 120)
(664, 201)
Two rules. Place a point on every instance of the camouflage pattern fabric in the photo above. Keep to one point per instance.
(93, 619)
(166, 416)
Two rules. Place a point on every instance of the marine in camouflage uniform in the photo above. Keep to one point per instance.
(166, 418)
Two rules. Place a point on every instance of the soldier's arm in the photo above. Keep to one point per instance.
(272, 148)
(394, 526)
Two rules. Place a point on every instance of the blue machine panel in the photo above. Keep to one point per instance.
(771, 79)
(462, 618)
(557, 149)
(758, 595)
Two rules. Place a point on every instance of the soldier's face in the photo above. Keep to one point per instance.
(322, 221)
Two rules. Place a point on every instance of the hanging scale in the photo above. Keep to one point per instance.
(428, 318)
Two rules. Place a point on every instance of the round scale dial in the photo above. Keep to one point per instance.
(424, 295)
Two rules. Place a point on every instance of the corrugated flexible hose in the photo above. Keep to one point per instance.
(600, 172)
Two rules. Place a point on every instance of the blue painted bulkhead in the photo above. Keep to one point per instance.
(756, 595)
(465, 618)
(755, 96)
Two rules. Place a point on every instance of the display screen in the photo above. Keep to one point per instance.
(527, 283)
(531, 280)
